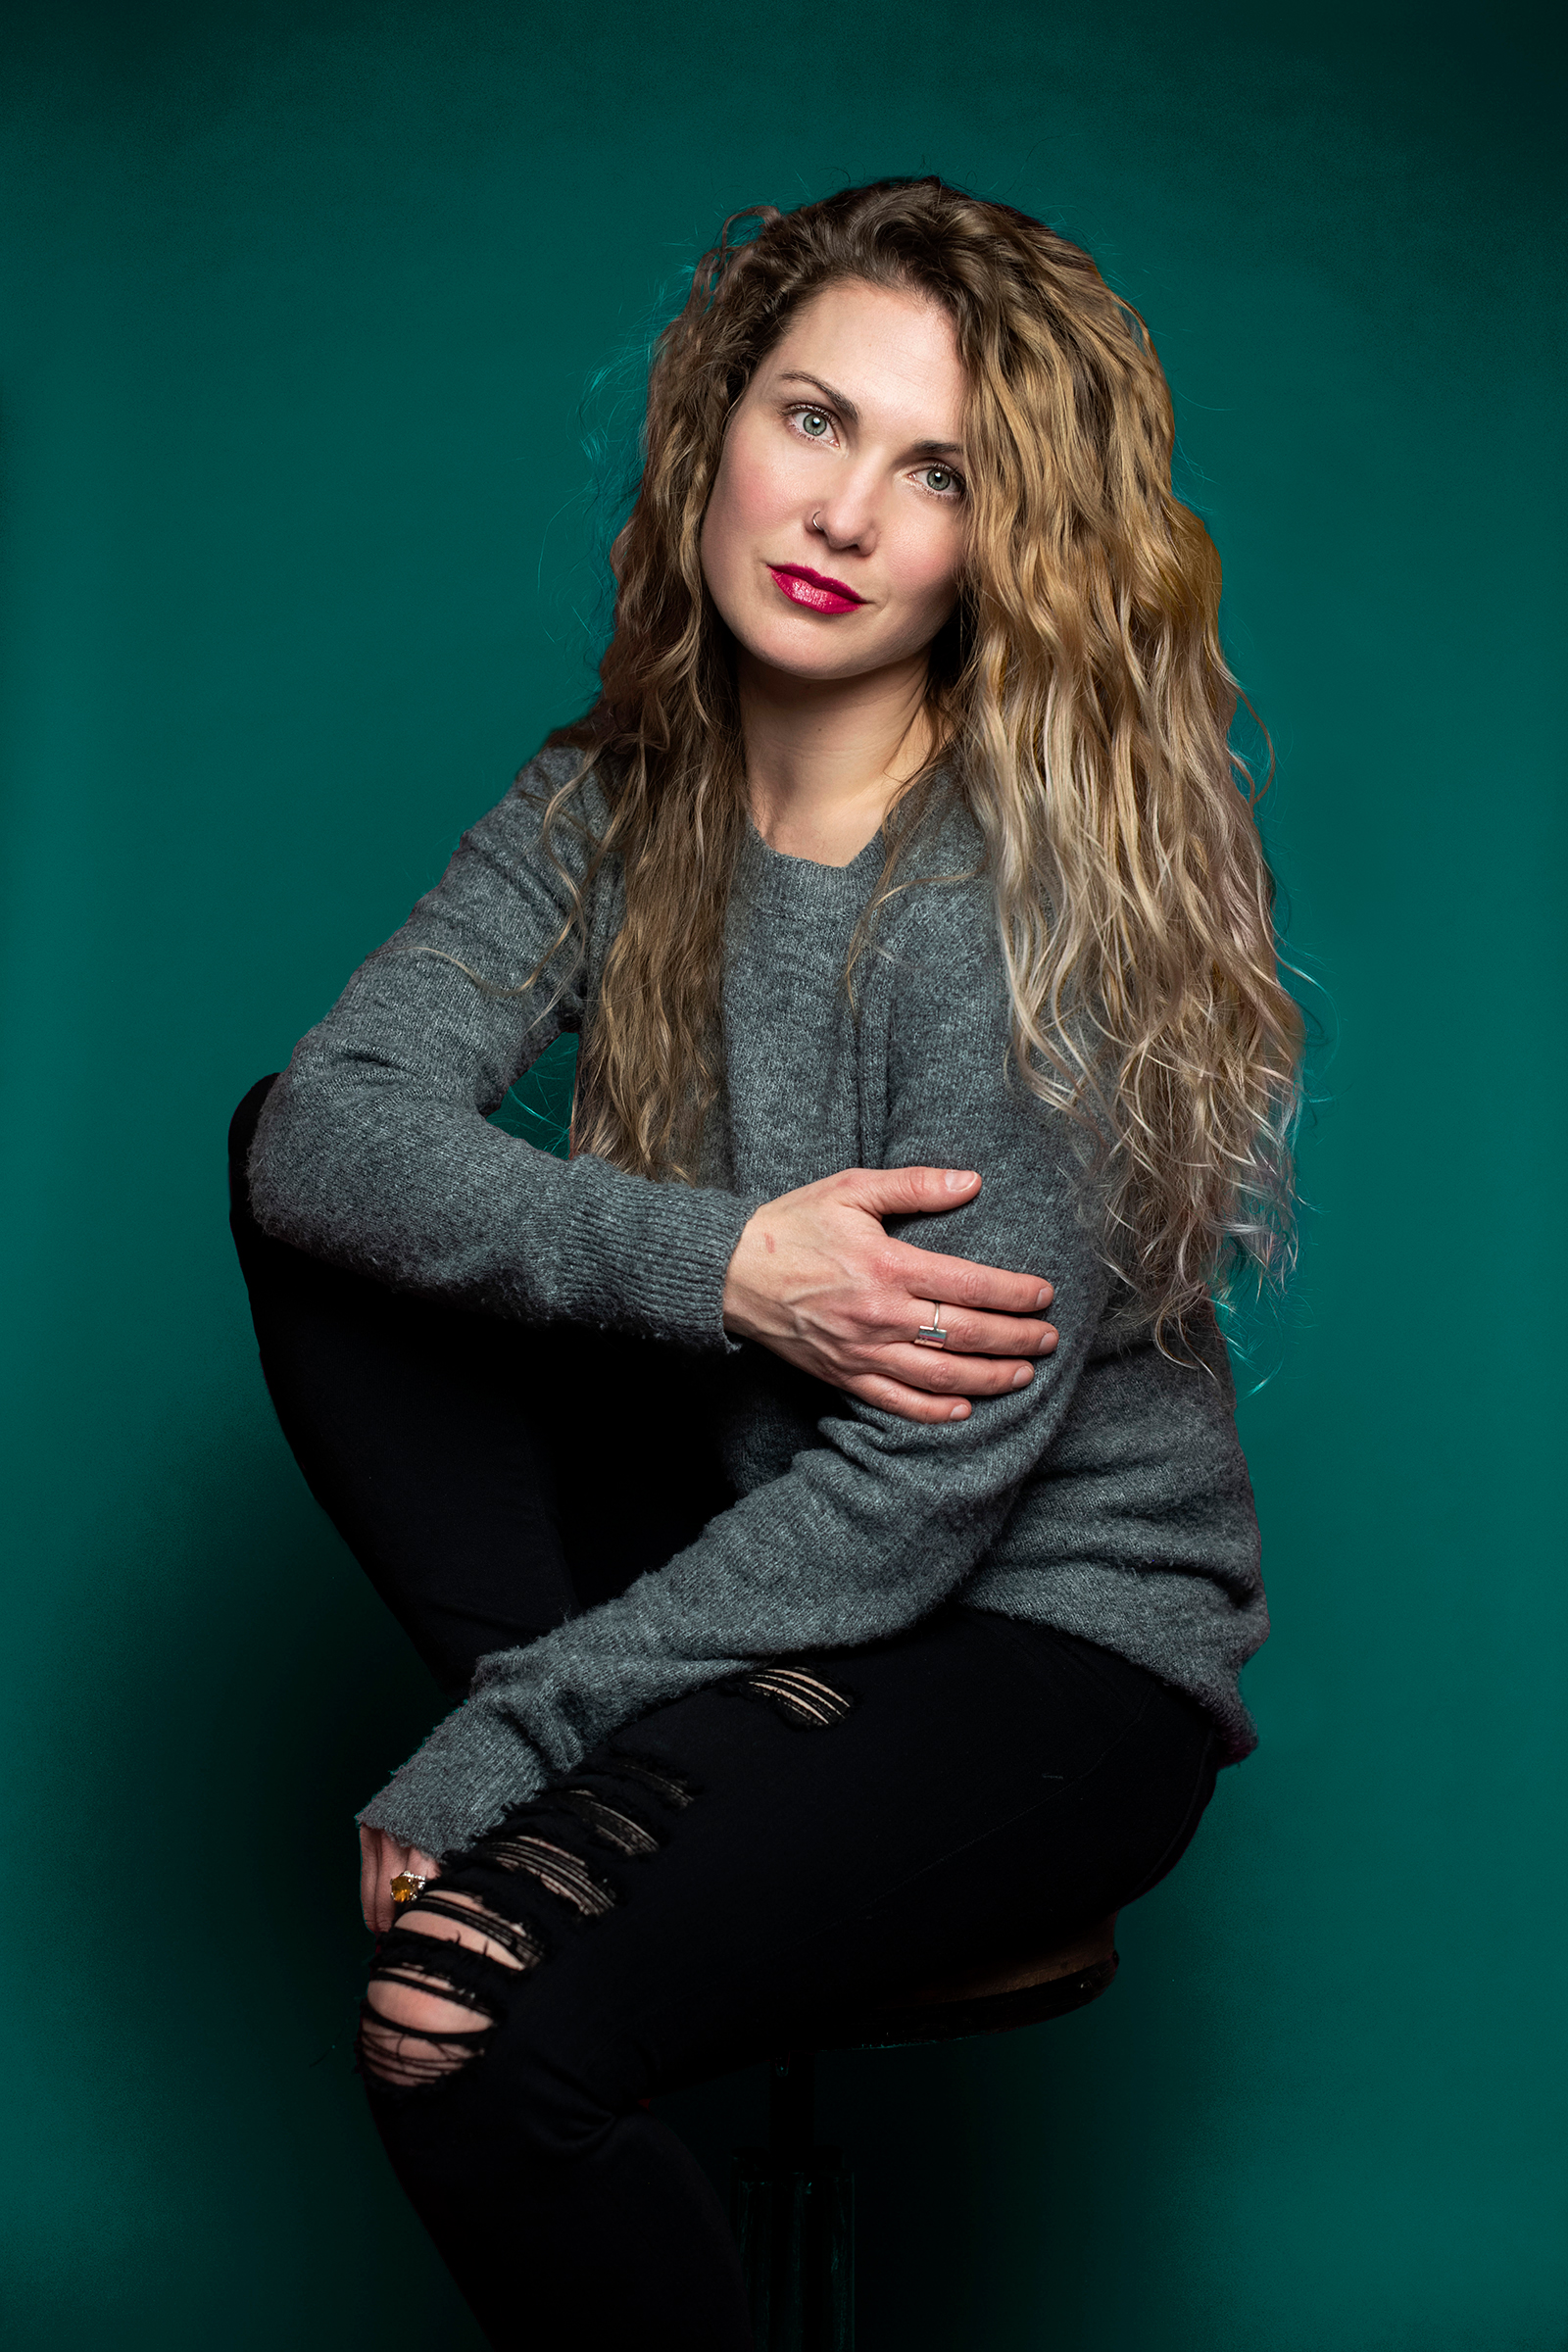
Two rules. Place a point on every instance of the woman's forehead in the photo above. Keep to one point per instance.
(880, 353)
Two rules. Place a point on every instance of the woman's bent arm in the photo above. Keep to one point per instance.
(867, 1530)
(373, 1151)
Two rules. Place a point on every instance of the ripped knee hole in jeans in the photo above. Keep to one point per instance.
(442, 1976)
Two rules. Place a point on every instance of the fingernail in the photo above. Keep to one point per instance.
(1045, 1297)
(958, 1180)
(960, 1413)
(1022, 1377)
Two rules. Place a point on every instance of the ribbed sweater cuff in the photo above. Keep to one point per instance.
(652, 1258)
(474, 1768)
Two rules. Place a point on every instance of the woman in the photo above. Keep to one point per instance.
(904, 841)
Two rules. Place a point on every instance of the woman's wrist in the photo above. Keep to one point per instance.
(745, 1310)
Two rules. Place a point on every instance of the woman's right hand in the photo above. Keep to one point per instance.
(381, 1860)
(815, 1278)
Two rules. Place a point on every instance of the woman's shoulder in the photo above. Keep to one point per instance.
(533, 821)
(556, 768)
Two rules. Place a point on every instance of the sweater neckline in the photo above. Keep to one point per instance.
(801, 882)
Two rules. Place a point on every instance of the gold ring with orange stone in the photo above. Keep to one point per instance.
(407, 1886)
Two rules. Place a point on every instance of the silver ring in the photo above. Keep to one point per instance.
(816, 525)
(932, 1335)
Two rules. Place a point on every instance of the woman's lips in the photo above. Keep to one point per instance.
(812, 589)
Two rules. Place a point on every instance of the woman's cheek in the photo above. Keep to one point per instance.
(931, 592)
(766, 494)
(750, 476)
(927, 564)
(723, 538)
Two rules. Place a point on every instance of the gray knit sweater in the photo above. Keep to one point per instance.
(1108, 1499)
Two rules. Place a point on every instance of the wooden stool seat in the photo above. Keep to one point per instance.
(993, 1998)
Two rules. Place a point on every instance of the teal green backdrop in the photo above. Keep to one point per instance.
(299, 302)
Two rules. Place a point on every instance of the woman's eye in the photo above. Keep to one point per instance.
(814, 421)
(939, 479)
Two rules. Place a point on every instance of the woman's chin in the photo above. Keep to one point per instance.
(818, 656)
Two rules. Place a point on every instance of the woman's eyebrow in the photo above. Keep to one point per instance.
(840, 400)
(852, 414)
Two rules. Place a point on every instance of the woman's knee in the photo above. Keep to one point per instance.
(440, 1986)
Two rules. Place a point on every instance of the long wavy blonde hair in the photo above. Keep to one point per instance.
(1082, 707)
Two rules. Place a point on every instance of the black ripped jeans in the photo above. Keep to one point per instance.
(735, 1870)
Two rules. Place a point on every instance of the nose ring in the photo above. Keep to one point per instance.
(816, 525)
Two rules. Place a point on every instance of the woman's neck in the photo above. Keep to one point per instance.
(825, 759)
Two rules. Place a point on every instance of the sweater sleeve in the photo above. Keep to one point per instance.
(883, 1518)
(373, 1150)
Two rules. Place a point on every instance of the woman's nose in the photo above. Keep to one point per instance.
(847, 518)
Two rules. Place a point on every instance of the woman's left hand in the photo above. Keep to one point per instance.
(381, 1859)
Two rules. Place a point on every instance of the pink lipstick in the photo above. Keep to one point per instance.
(813, 589)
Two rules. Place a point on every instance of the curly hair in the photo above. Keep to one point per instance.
(1082, 707)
